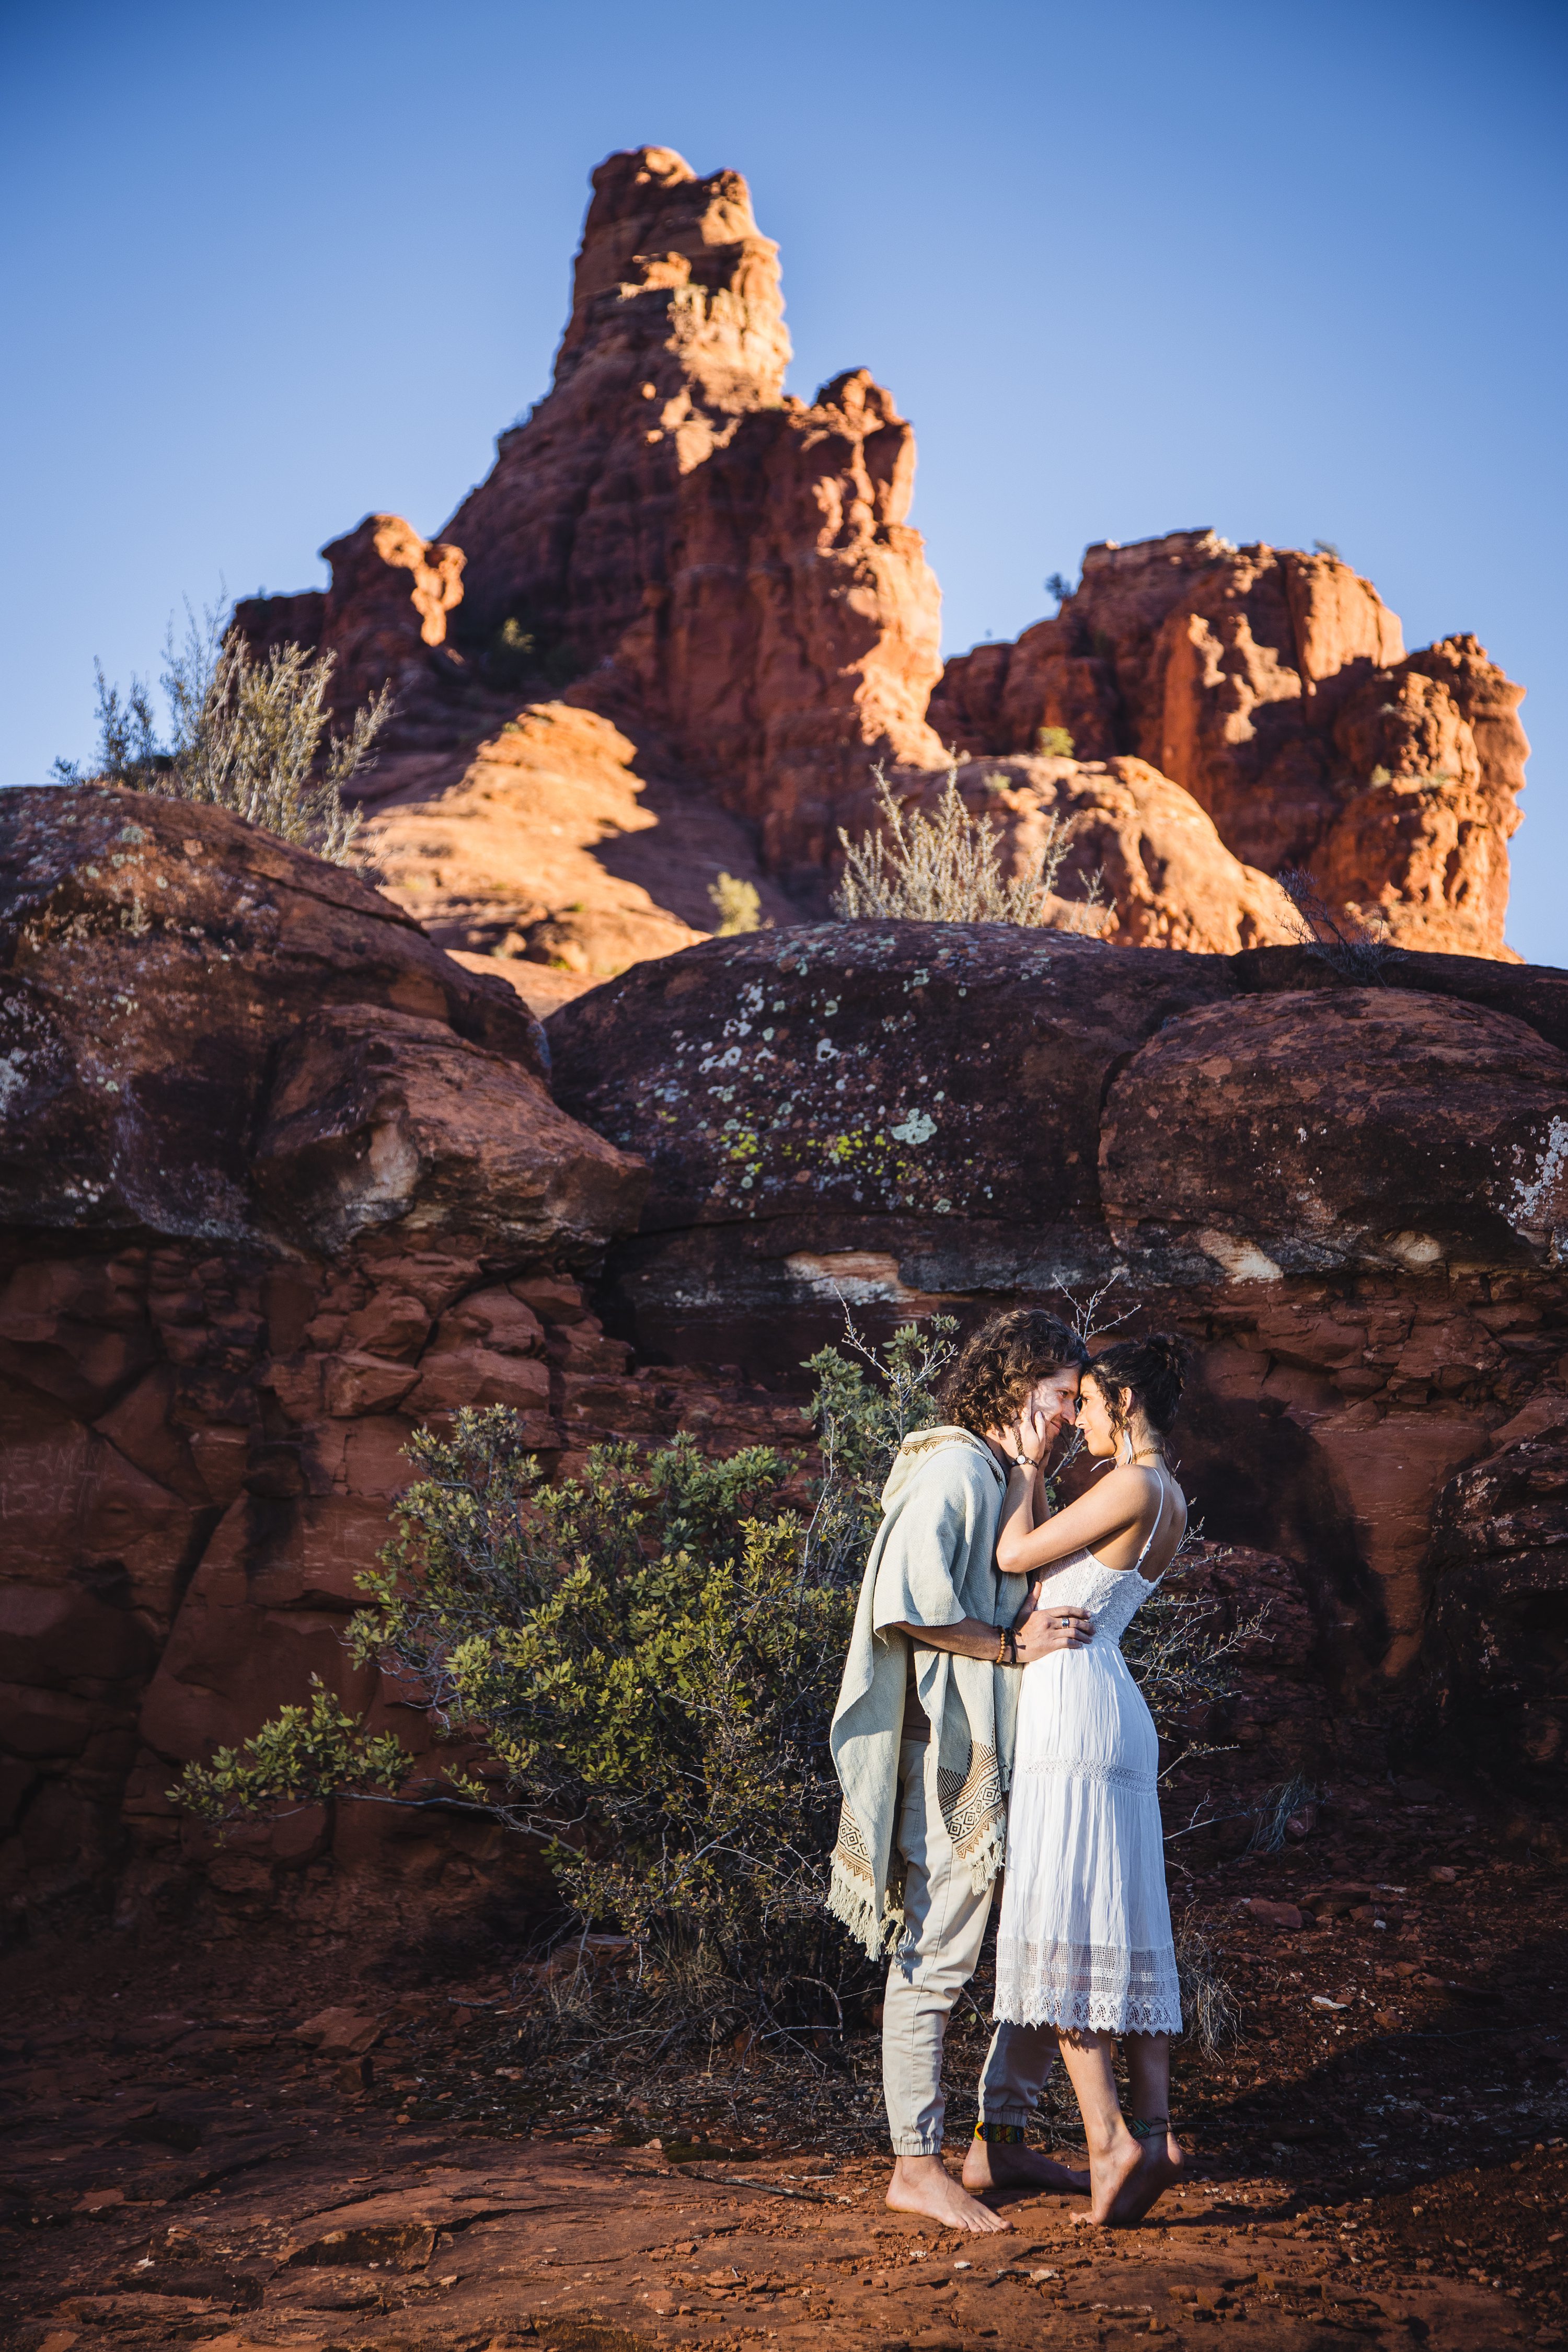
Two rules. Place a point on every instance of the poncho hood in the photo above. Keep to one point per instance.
(917, 1450)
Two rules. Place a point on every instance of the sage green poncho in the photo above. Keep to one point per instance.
(931, 1563)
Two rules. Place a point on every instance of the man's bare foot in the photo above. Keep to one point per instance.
(1109, 2174)
(922, 2184)
(1159, 2164)
(993, 2164)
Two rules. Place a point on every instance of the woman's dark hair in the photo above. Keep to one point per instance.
(1000, 1363)
(1145, 1375)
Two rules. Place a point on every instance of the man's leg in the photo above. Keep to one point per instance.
(945, 1923)
(1018, 2067)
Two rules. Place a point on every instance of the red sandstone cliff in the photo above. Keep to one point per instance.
(1274, 687)
(736, 563)
(1352, 1199)
(277, 1178)
(727, 575)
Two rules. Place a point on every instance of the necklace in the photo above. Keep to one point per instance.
(1158, 1455)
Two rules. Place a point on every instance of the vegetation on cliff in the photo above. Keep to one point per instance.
(944, 868)
(245, 734)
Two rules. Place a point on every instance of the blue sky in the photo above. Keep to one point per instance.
(1294, 273)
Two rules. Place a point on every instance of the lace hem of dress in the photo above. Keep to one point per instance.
(1082, 2012)
(1104, 1776)
(1089, 1986)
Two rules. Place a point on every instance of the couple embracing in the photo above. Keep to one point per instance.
(987, 1718)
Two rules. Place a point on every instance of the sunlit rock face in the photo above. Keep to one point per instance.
(1274, 687)
(726, 575)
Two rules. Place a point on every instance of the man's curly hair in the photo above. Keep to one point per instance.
(1000, 1363)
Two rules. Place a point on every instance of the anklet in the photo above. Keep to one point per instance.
(1001, 2135)
(1157, 2127)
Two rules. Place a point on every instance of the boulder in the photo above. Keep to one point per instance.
(158, 959)
(270, 1162)
(1313, 1133)
(1498, 1642)
(1144, 865)
(847, 1104)
(1350, 1198)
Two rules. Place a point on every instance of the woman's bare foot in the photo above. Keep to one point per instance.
(922, 2184)
(1159, 2164)
(993, 2164)
(1110, 2172)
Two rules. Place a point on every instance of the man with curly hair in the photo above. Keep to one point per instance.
(922, 1739)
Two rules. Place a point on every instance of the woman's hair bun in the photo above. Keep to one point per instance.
(1148, 1374)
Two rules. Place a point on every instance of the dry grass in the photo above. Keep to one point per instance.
(738, 906)
(942, 868)
(1211, 2014)
(1351, 940)
(246, 735)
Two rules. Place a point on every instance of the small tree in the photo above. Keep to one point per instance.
(1053, 742)
(246, 735)
(944, 868)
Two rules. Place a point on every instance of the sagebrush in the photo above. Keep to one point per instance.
(245, 733)
(1351, 940)
(942, 868)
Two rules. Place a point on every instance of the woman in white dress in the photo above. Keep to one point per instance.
(1084, 1942)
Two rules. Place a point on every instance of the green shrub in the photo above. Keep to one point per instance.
(1053, 742)
(644, 1661)
(639, 1667)
(738, 906)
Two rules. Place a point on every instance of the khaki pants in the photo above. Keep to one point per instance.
(945, 1924)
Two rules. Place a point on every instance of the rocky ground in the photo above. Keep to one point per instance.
(234, 2142)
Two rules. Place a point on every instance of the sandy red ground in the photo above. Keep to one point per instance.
(179, 2166)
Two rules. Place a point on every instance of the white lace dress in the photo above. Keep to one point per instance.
(1085, 1934)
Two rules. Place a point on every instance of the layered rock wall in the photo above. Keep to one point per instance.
(1351, 1198)
(277, 1179)
(1275, 689)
